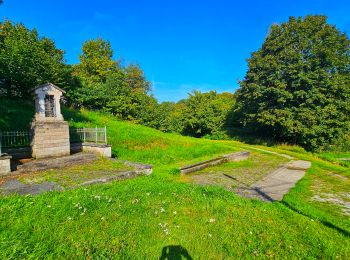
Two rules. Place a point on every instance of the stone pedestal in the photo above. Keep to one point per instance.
(5, 164)
(50, 139)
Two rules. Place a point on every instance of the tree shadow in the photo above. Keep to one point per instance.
(324, 222)
(174, 252)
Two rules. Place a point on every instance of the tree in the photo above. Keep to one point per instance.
(206, 113)
(96, 61)
(136, 78)
(297, 87)
(28, 60)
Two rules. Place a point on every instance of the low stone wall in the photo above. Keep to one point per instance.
(234, 157)
(100, 149)
(5, 164)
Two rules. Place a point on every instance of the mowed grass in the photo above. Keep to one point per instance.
(138, 218)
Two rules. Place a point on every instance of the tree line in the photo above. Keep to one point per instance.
(296, 89)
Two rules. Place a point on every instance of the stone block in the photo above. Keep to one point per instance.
(104, 150)
(50, 139)
(5, 164)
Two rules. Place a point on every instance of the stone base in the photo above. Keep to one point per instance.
(5, 164)
(50, 139)
(104, 150)
(100, 149)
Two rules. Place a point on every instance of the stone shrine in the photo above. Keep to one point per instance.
(50, 131)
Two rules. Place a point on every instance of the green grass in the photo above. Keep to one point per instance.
(138, 218)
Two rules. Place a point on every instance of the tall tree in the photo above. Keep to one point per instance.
(297, 87)
(206, 113)
(96, 61)
(27, 60)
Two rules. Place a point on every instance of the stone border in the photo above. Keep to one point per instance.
(234, 157)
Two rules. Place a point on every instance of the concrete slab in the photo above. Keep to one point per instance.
(278, 183)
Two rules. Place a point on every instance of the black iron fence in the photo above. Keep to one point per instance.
(14, 139)
(18, 139)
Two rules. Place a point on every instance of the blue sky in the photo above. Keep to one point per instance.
(181, 45)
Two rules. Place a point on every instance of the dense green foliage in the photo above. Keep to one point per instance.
(206, 113)
(297, 87)
(104, 84)
(28, 60)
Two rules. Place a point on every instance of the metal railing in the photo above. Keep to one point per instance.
(13, 139)
(88, 135)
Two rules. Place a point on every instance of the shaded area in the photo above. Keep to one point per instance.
(174, 252)
(324, 222)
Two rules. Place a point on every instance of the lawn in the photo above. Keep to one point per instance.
(144, 217)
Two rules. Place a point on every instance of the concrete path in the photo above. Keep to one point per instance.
(276, 184)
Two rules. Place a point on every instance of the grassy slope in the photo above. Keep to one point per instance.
(138, 218)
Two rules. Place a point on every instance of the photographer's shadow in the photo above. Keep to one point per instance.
(174, 253)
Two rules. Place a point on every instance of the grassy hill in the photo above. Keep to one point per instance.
(144, 218)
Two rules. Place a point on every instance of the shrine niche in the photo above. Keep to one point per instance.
(50, 131)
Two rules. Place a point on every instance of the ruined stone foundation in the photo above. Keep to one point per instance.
(50, 139)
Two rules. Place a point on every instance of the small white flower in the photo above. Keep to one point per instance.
(162, 209)
(166, 231)
(209, 235)
(69, 218)
(212, 220)
(175, 212)
(148, 193)
(250, 232)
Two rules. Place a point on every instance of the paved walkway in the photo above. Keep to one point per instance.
(276, 184)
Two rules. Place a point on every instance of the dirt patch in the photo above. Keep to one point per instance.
(334, 199)
(15, 186)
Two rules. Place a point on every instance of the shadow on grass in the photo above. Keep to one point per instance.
(326, 223)
(174, 252)
(249, 137)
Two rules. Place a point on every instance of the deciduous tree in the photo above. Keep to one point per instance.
(297, 87)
